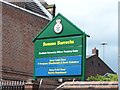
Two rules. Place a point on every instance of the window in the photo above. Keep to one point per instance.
(91, 62)
(99, 64)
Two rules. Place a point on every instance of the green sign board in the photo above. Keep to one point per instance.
(68, 46)
(60, 50)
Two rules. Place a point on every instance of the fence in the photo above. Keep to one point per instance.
(89, 85)
(11, 85)
(78, 85)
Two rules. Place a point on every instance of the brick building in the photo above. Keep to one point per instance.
(95, 65)
(20, 22)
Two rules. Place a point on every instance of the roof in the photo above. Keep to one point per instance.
(92, 56)
(32, 6)
(69, 29)
(88, 56)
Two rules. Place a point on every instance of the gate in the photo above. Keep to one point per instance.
(11, 85)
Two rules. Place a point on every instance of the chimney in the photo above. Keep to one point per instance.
(95, 51)
(51, 9)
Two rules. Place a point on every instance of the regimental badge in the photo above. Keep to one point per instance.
(58, 26)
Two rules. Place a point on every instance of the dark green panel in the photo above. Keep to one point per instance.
(58, 52)
(69, 29)
(58, 42)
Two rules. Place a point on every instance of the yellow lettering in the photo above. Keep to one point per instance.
(49, 44)
(65, 42)
(58, 43)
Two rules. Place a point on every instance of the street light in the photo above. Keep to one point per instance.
(103, 44)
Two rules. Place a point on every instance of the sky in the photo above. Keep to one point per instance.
(99, 19)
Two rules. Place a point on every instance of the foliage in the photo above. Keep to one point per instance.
(110, 77)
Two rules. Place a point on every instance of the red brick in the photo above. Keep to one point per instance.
(18, 30)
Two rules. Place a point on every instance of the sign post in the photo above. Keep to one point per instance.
(60, 50)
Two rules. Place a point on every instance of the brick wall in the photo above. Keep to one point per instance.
(0, 39)
(19, 28)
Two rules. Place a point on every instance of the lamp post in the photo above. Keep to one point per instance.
(103, 44)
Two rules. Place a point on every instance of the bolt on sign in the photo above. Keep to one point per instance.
(60, 50)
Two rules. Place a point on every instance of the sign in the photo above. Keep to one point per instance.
(58, 66)
(58, 56)
(68, 46)
(60, 50)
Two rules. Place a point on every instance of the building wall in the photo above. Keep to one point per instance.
(18, 30)
(94, 66)
(0, 39)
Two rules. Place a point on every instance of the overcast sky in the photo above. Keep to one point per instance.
(99, 19)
